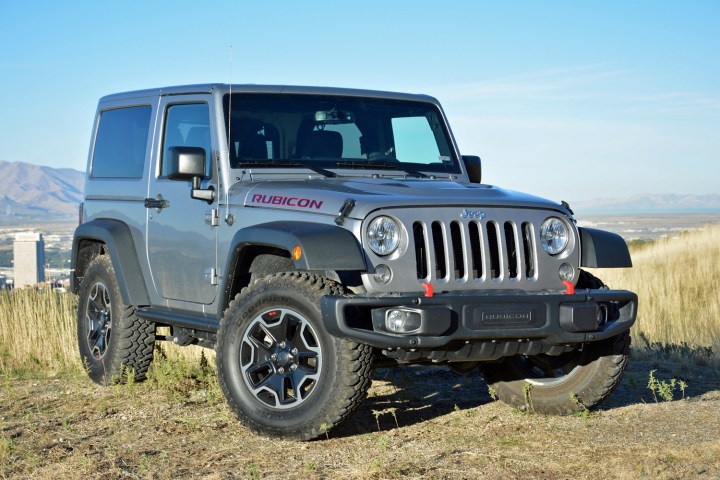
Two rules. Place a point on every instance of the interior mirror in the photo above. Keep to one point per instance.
(188, 163)
(333, 117)
(473, 166)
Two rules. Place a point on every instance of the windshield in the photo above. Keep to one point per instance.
(337, 132)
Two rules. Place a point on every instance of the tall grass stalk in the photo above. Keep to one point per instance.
(38, 331)
(676, 280)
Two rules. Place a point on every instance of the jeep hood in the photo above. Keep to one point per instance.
(327, 195)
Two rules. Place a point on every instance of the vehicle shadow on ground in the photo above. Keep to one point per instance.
(402, 397)
(407, 396)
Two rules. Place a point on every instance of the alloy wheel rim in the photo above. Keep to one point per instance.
(98, 318)
(547, 371)
(280, 358)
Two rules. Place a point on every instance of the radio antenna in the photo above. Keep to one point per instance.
(230, 101)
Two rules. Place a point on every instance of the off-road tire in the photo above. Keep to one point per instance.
(566, 384)
(128, 340)
(284, 304)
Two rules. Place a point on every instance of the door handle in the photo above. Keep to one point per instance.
(157, 203)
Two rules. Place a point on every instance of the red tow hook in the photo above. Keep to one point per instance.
(569, 288)
(428, 289)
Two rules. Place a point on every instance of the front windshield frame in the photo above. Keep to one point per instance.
(269, 130)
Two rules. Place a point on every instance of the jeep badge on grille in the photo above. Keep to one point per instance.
(467, 213)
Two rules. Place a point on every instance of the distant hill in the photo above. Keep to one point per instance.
(650, 203)
(35, 194)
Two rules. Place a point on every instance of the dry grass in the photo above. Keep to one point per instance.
(442, 425)
(38, 333)
(416, 423)
(674, 278)
(676, 281)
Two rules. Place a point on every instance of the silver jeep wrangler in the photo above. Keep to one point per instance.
(312, 234)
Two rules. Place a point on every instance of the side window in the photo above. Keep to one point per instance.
(414, 140)
(120, 143)
(187, 125)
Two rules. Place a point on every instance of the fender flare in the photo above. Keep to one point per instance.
(601, 249)
(118, 240)
(324, 247)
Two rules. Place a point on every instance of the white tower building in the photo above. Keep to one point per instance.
(29, 259)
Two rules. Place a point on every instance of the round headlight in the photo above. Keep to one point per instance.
(383, 235)
(554, 235)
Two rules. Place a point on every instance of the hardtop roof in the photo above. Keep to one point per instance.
(223, 88)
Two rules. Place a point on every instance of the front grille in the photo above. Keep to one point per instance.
(465, 250)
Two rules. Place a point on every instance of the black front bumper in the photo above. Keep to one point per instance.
(497, 323)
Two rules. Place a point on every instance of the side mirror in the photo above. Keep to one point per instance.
(188, 163)
(473, 166)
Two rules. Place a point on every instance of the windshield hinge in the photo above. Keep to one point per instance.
(211, 276)
(345, 211)
(211, 218)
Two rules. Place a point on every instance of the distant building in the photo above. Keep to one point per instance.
(29, 259)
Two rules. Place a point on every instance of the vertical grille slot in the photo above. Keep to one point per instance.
(457, 249)
(441, 268)
(421, 262)
(494, 247)
(476, 250)
(491, 252)
(529, 250)
(511, 251)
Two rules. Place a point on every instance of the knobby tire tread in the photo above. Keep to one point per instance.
(133, 336)
(351, 385)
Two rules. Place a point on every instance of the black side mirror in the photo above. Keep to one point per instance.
(473, 166)
(188, 163)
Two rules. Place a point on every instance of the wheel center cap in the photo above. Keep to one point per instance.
(283, 358)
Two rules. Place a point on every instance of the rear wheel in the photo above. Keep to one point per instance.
(562, 384)
(112, 340)
(282, 374)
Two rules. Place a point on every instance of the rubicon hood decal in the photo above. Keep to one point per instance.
(290, 201)
(326, 196)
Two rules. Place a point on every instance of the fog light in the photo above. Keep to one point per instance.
(566, 272)
(395, 320)
(402, 321)
(601, 315)
(383, 274)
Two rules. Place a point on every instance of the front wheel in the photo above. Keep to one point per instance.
(564, 384)
(281, 373)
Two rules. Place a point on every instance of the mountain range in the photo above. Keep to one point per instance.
(31, 194)
(650, 204)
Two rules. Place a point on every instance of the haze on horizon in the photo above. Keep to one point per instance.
(564, 100)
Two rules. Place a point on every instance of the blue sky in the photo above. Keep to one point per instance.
(567, 100)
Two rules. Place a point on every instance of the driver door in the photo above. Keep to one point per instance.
(181, 246)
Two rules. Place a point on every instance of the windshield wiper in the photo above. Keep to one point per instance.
(287, 164)
(383, 166)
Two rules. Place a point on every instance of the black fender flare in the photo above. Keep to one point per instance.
(601, 249)
(118, 240)
(323, 247)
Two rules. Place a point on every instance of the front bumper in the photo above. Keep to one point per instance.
(472, 325)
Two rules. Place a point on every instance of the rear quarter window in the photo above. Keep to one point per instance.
(120, 143)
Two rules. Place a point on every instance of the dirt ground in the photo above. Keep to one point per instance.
(417, 423)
